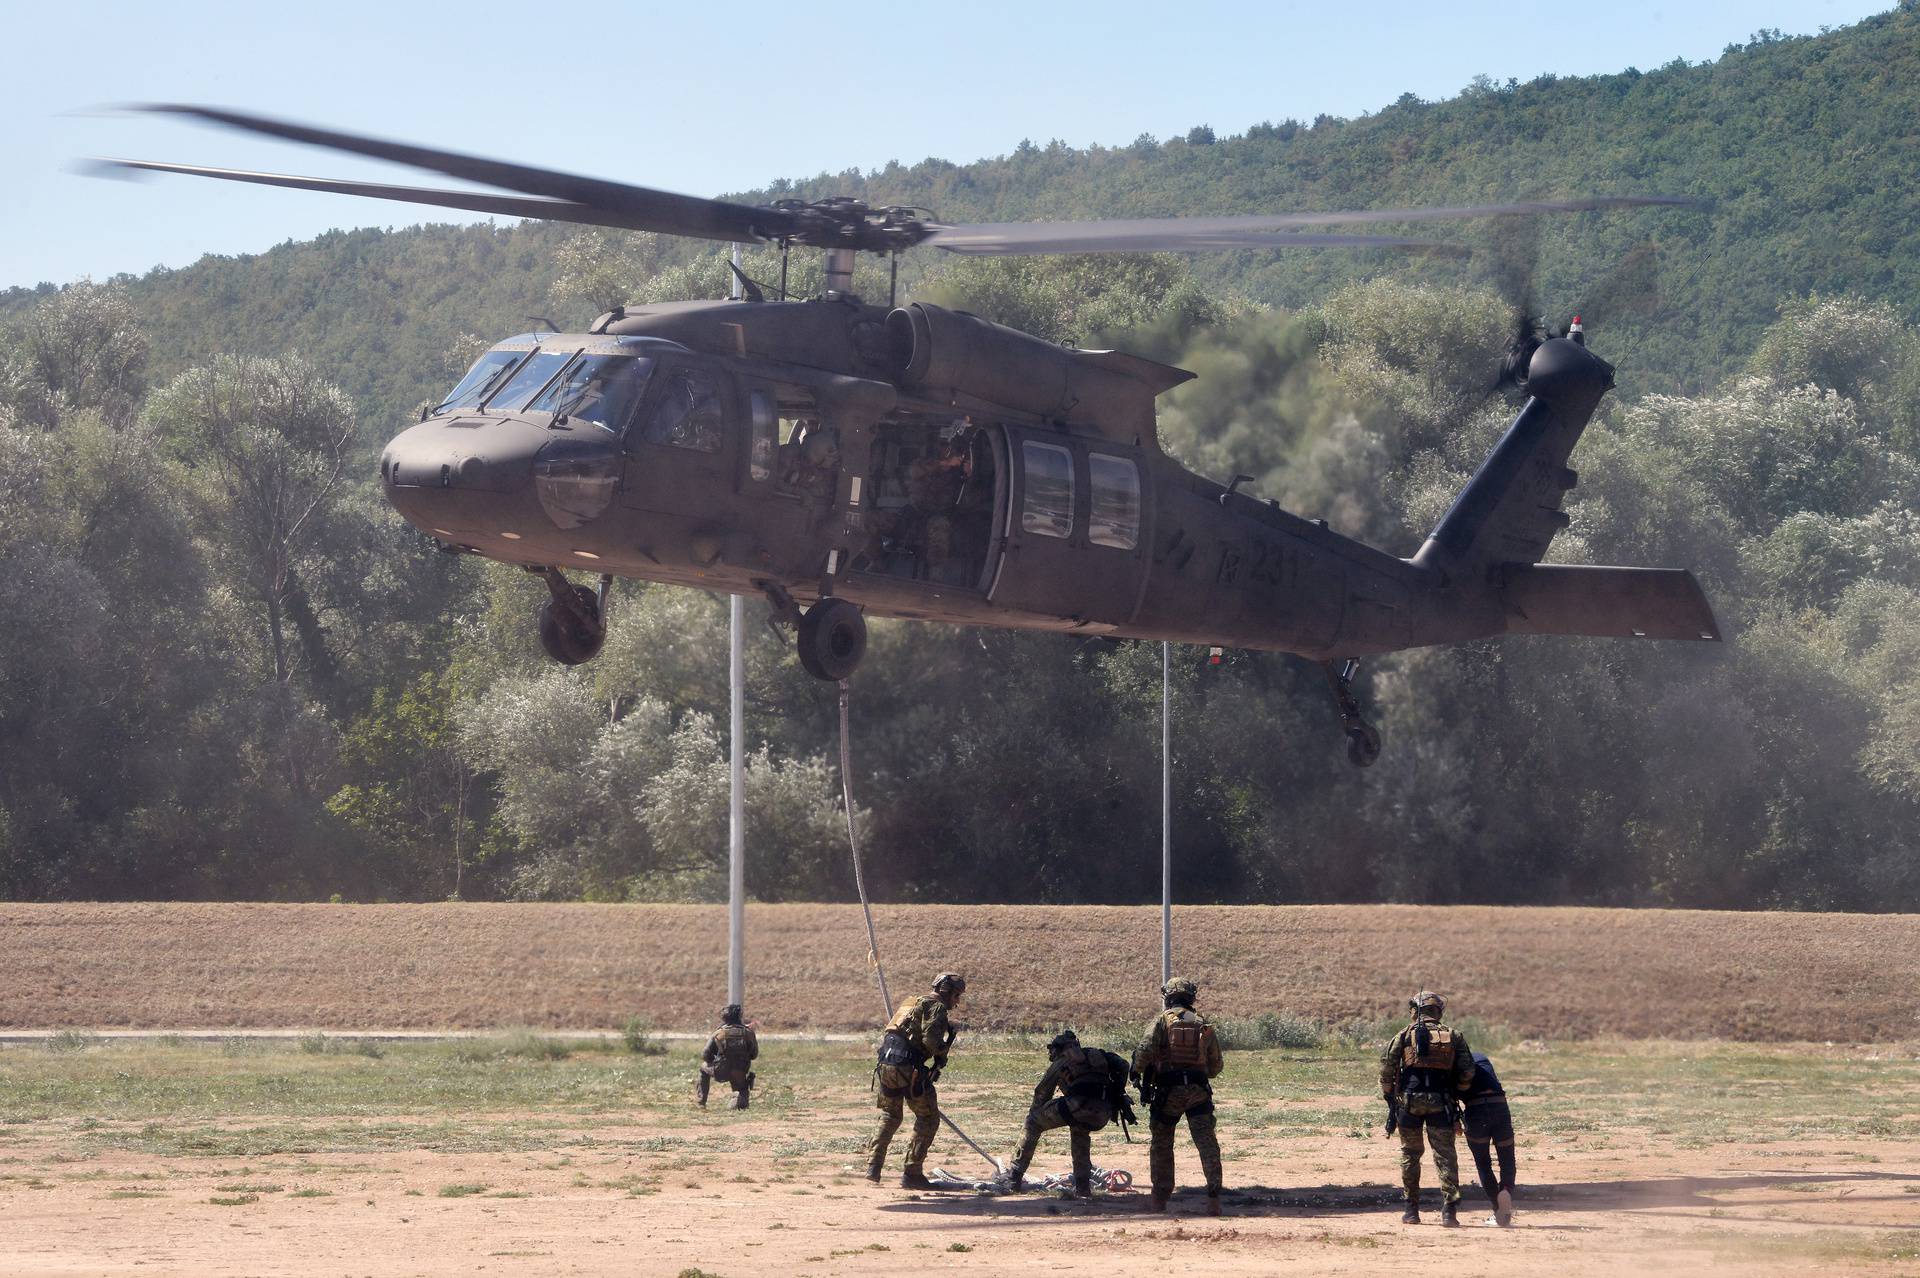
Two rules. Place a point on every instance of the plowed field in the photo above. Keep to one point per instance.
(1549, 973)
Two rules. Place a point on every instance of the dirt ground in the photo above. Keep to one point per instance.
(304, 1163)
(1540, 972)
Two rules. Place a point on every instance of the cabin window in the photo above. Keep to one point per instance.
(1115, 489)
(601, 389)
(524, 384)
(687, 414)
(487, 373)
(766, 435)
(1048, 508)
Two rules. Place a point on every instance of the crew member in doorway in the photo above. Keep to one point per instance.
(729, 1057)
(913, 1051)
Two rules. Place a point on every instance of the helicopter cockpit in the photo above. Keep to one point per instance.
(519, 375)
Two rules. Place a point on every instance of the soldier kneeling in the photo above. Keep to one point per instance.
(1093, 1086)
(729, 1057)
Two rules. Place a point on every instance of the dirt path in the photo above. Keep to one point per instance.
(1322, 1208)
(1541, 972)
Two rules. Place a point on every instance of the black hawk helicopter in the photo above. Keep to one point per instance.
(842, 458)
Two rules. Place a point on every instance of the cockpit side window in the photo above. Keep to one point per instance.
(687, 413)
(487, 373)
(527, 380)
(600, 389)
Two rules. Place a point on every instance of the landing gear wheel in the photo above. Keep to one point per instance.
(573, 623)
(1363, 740)
(832, 639)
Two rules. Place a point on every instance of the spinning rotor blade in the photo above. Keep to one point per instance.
(474, 201)
(1156, 235)
(1199, 234)
(637, 207)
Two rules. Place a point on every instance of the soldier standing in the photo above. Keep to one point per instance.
(1489, 1125)
(729, 1057)
(913, 1051)
(1092, 1085)
(1176, 1066)
(1422, 1073)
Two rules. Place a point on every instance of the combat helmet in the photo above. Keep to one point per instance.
(1179, 991)
(731, 1014)
(950, 983)
(1062, 1041)
(1427, 1003)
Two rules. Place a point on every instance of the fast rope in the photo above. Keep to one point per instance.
(866, 906)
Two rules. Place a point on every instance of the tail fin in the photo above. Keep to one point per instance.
(1511, 509)
(1636, 603)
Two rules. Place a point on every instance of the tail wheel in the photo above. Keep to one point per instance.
(832, 639)
(572, 635)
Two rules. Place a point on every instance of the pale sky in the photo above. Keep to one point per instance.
(710, 99)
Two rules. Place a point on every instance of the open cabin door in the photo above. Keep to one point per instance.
(933, 503)
(1076, 530)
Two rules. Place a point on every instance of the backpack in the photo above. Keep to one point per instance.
(1188, 1041)
(735, 1043)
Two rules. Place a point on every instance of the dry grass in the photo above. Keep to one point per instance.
(1538, 972)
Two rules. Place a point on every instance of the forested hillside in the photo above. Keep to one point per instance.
(227, 670)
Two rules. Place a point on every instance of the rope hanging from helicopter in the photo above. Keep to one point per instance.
(866, 910)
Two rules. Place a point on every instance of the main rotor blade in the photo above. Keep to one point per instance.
(1131, 235)
(474, 201)
(637, 207)
(1158, 235)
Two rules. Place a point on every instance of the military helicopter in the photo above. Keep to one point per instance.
(841, 458)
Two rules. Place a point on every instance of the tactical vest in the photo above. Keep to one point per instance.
(1083, 1072)
(1188, 1040)
(1426, 1078)
(734, 1044)
(900, 1041)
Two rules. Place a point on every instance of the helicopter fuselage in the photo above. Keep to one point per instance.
(927, 464)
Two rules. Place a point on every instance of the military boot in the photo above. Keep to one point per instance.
(1213, 1204)
(1503, 1208)
(1157, 1202)
(1411, 1216)
(1082, 1185)
(873, 1172)
(914, 1178)
(1016, 1178)
(1450, 1214)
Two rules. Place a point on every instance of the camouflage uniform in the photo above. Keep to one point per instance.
(1085, 1105)
(728, 1058)
(922, 1022)
(1182, 1088)
(1432, 1087)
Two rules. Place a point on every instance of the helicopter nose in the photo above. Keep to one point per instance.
(462, 477)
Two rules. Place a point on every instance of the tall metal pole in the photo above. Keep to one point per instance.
(737, 796)
(1166, 813)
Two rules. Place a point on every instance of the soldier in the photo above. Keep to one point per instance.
(1092, 1085)
(1175, 1067)
(1489, 1125)
(919, 1033)
(729, 1057)
(1423, 1071)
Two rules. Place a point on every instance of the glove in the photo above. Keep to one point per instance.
(934, 1077)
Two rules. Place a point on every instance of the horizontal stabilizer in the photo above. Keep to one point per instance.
(1624, 603)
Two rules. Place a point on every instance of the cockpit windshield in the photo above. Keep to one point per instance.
(531, 376)
(601, 389)
(487, 372)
